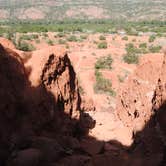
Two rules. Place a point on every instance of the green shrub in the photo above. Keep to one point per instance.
(45, 34)
(152, 38)
(9, 35)
(25, 37)
(104, 62)
(143, 48)
(60, 29)
(131, 32)
(143, 45)
(72, 38)
(61, 41)
(125, 38)
(24, 46)
(159, 34)
(34, 36)
(103, 85)
(60, 35)
(154, 49)
(131, 58)
(102, 37)
(29, 37)
(102, 45)
(77, 29)
(131, 49)
(50, 42)
(84, 37)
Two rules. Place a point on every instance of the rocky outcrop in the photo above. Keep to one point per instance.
(135, 98)
(159, 107)
(40, 107)
(142, 109)
(52, 68)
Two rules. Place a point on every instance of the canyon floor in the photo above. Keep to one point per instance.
(84, 52)
(119, 116)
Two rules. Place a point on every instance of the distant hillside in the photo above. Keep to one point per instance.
(83, 9)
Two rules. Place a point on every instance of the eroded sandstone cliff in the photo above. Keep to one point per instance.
(141, 107)
(40, 114)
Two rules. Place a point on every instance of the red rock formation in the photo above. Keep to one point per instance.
(39, 98)
(52, 68)
(134, 101)
(159, 100)
(142, 107)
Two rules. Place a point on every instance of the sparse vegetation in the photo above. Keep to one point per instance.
(60, 35)
(104, 26)
(130, 48)
(104, 63)
(102, 37)
(9, 35)
(24, 46)
(143, 45)
(45, 35)
(29, 37)
(125, 38)
(131, 58)
(154, 49)
(62, 41)
(143, 48)
(25, 37)
(103, 85)
(102, 45)
(72, 38)
(152, 38)
(83, 37)
(50, 42)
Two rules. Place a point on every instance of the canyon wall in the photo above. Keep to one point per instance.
(40, 108)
